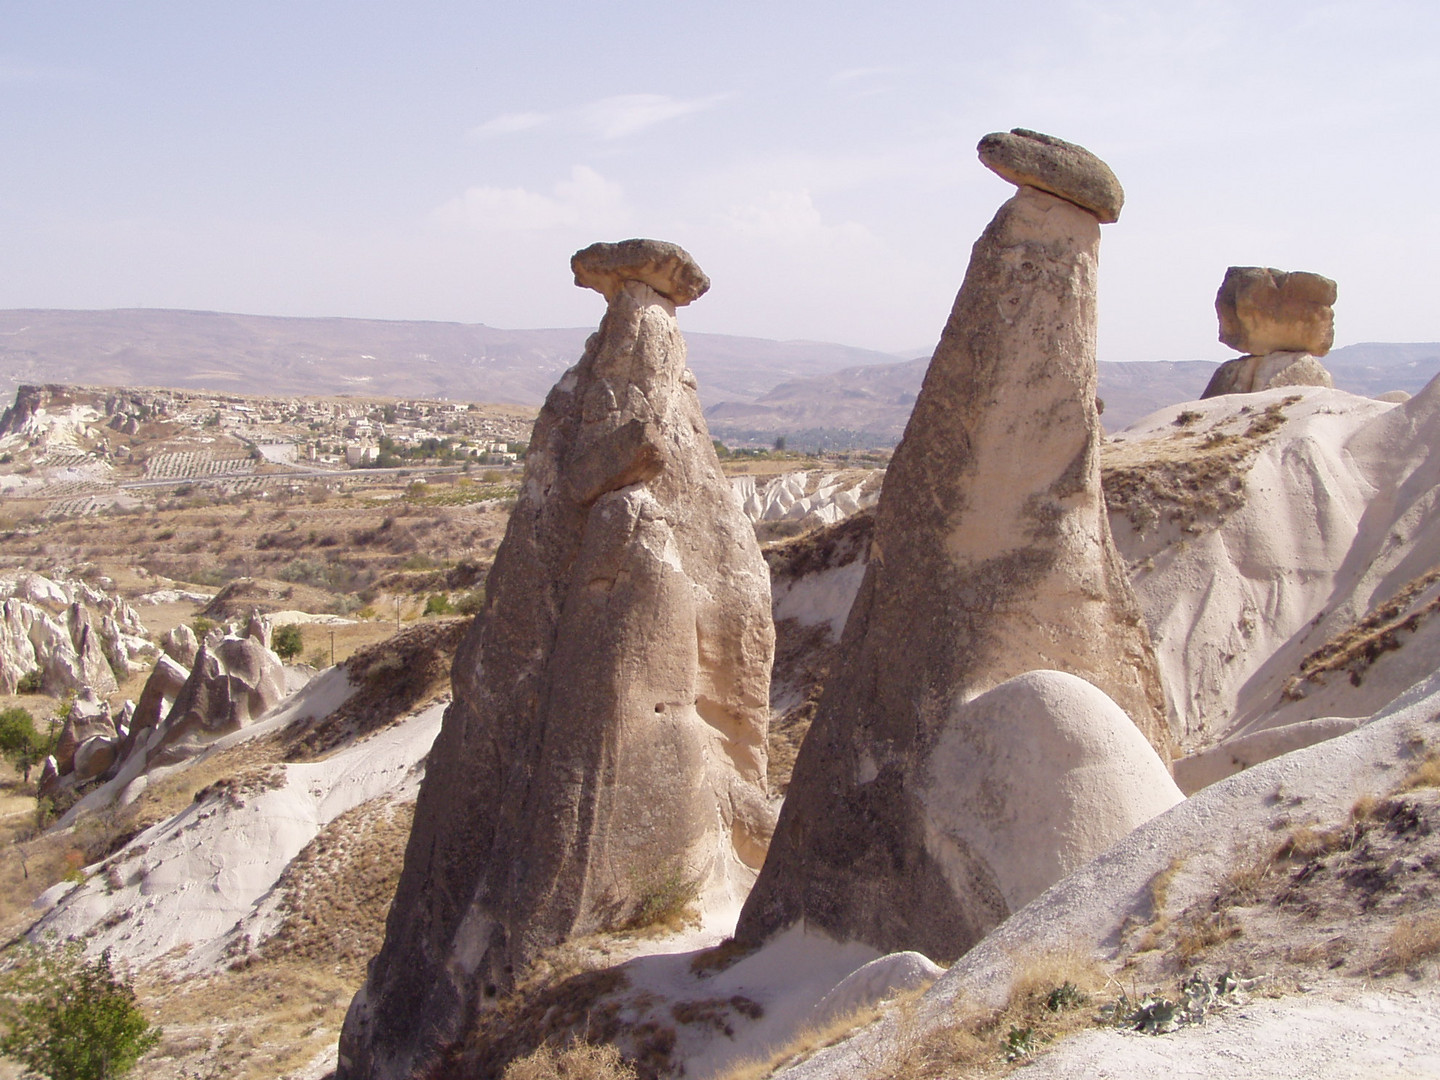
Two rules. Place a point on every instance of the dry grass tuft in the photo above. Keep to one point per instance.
(1204, 931)
(1194, 487)
(1414, 939)
(576, 1061)
(396, 677)
(1353, 651)
(1048, 1001)
(809, 1040)
(1425, 774)
(336, 892)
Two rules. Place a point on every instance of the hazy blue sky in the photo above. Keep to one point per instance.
(442, 160)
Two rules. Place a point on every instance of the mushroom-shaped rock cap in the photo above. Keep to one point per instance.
(666, 268)
(1054, 165)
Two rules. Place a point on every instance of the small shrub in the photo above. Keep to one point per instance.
(288, 641)
(71, 1018)
(472, 603)
(30, 682)
(665, 900)
(318, 658)
(202, 626)
(20, 743)
(438, 604)
(1065, 996)
(1019, 1043)
(1186, 417)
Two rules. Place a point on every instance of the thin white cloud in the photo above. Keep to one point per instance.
(587, 198)
(852, 74)
(627, 114)
(787, 216)
(606, 119)
(509, 123)
(19, 73)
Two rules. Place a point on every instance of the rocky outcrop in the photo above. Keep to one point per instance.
(89, 718)
(1249, 374)
(607, 737)
(991, 557)
(234, 680)
(797, 501)
(164, 685)
(1283, 321)
(1264, 310)
(180, 644)
(73, 634)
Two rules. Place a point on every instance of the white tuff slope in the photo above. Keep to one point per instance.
(1337, 515)
(201, 878)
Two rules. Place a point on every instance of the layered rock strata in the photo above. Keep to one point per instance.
(607, 737)
(1283, 322)
(992, 557)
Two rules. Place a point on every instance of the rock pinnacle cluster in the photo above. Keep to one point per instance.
(607, 735)
(992, 561)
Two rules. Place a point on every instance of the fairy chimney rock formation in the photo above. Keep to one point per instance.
(992, 558)
(1284, 321)
(607, 735)
(666, 268)
(1030, 159)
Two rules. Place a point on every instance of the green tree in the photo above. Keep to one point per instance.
(69, 1017)
(20, 743)
(287, 641)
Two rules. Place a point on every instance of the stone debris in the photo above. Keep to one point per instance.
(987, 562)
(1030, 159)
(606, 743)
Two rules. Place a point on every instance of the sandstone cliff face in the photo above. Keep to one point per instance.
(608, 730)
(992, 557)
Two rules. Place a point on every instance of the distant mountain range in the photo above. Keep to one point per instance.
(754, 390)
(260, 354)
(869, 405)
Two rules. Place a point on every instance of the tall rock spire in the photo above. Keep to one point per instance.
(607, 735)
(992, 558)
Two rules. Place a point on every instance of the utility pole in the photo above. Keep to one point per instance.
(332, 648)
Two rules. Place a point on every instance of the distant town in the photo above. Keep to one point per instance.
(83, 449)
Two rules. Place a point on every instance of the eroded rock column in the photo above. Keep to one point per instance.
(607, 736)
(992, 558)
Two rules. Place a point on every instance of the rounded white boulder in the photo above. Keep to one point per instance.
(1036, 777)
